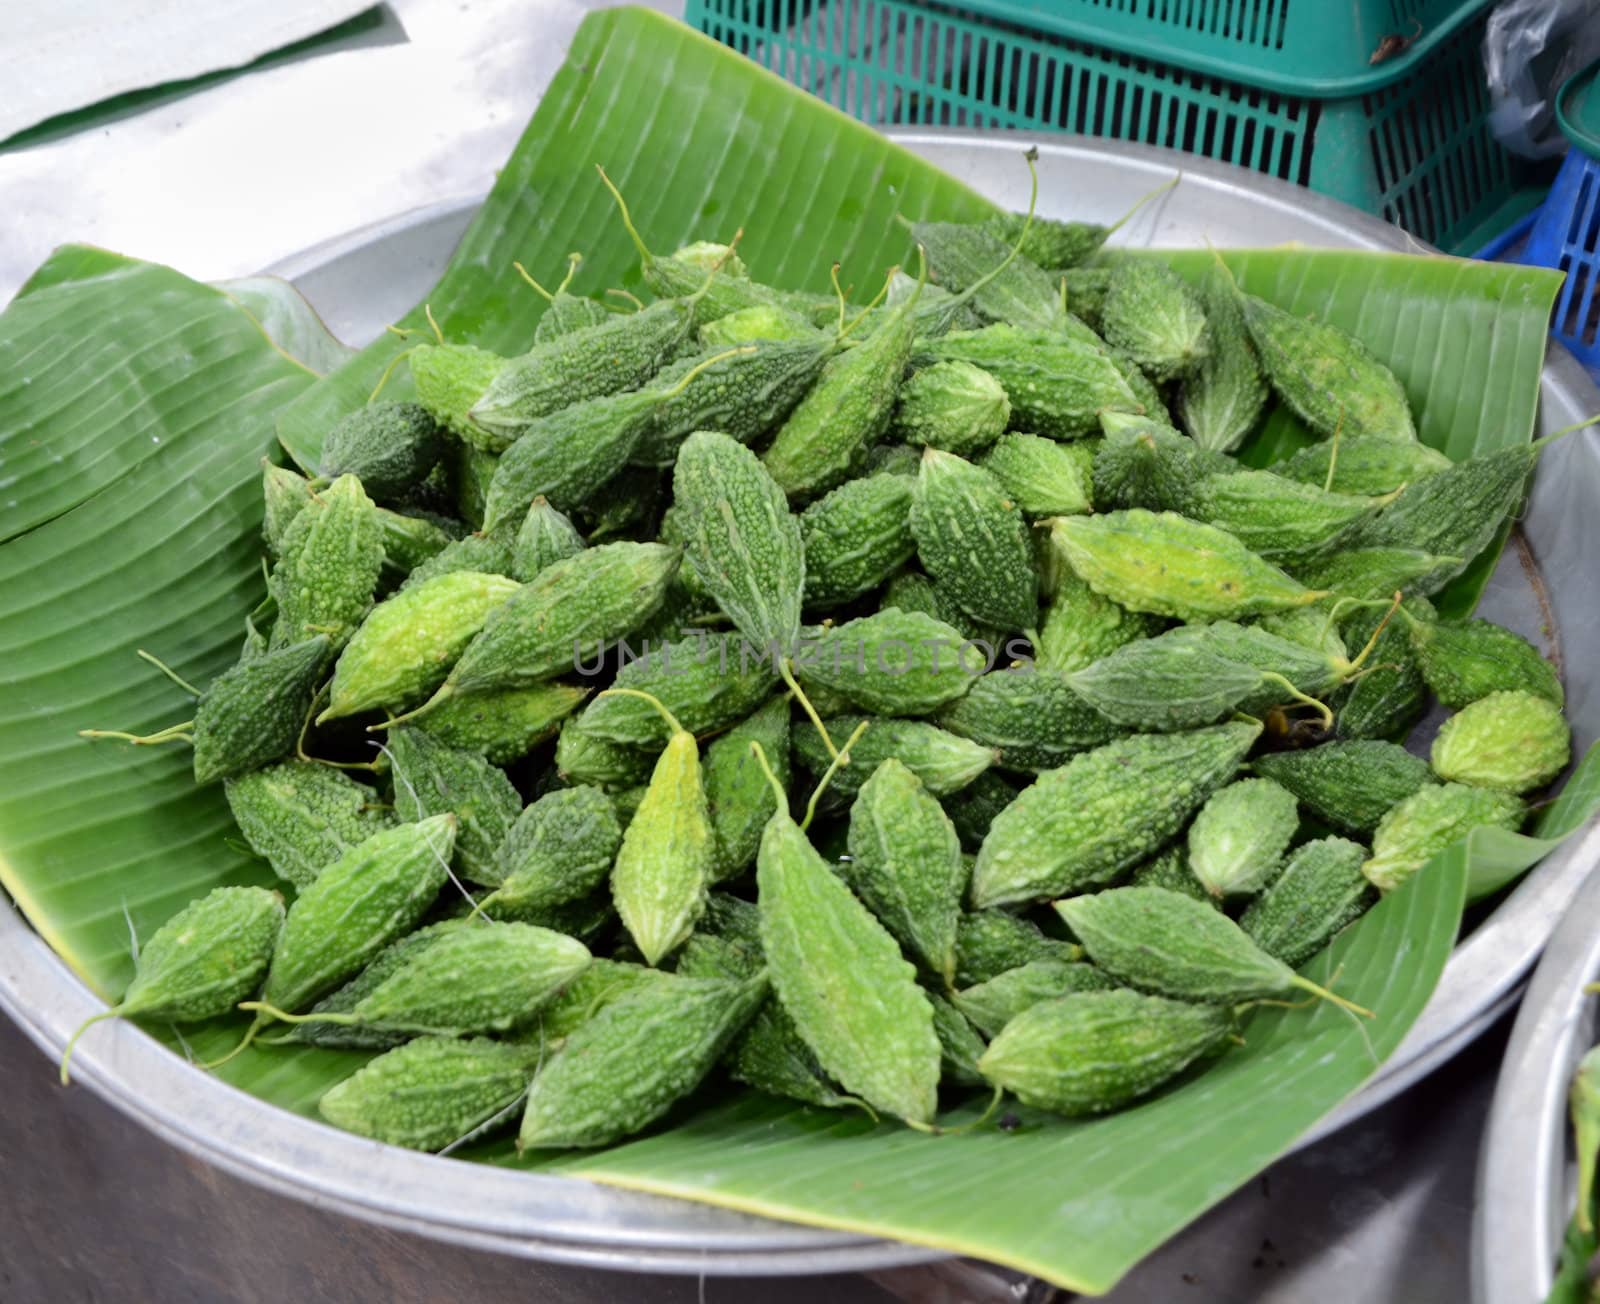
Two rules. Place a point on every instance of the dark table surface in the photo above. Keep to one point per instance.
(93, 1208)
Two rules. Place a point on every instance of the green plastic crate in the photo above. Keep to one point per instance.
(1416, 151)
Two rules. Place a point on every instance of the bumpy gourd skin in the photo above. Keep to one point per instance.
(1017, 291)
(431, 1092)
(432, 778)
(328, 569)
(856, 538)
(504, 725)
(374, 893)
(1041, 476)
(702, 680)
(1092, 1052)
(568, 610)
(1320, 890)
(953, 406)
(1223, 398)
(992, 942)
(1430, 820)
(301, 816)
(664, 868)
(387, 446)
(1350, 785)
(738, 796)
(252, 714)
(545, 537)
(207, 958)
(1153, 316)
(842, 978)
(1372, 573)
(1081, 626)
(622, 1069)
(906, 865)
(406, 646)
(743, 396)
(847, 409)
(745, 543)
(1279, 519)
(1034, 717)
(560, 849)
(1058, 384)
(1169, 943)
(1167, 565)
(1362, 464)
(1463, 661)
(892, 662)
(945, 762)
(610, 357)
(1327, 377)
(1103, 812)
(1237, 841)
(1514, 741)
(972, 539)
(990, 1005)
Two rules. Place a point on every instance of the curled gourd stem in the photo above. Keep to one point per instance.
(260, 1022)
(694, 371)
(273, 1012)
(427, 311)
(933, 1129)
(766, 769)
(1305, 984)
(1307, 699)
(634, 299)
(787, 672)
(1394, 606)
(170, 673)
(839, 761)
(645, 256)
(72, 1042)
(177, 733)
(1554, 435)
(389, 371)
(573, 259)
(833, 277)
(672, 720)
(538, 289)
(1142, 200)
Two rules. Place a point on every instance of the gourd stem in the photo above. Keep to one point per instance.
(534, 285)
(772, 779)
(1566, 430)
(1372, 642)
(1327, 713)
(260, 1022)
(389, 371)
(1164, 186)
(427, 311)
(933, 1129)
(833, 277)
(716, 267)
(663, 395)
(1333, 453)
(174, 733)
(876, 299)
(672, 720)
(573, 259)
(645, 256)
(273, 1012)
(840, 760)
(1307, 985)
(170, 673)
(634, 299)
(787, 673)
(445, 691)
(72, 1042)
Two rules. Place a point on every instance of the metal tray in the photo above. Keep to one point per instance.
(374, 275)
(1526, 1178)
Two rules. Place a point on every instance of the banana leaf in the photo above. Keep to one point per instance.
(144, 534)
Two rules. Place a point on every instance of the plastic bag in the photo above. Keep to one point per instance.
(1530, 48)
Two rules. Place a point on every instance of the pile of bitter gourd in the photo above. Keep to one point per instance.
(856, 705)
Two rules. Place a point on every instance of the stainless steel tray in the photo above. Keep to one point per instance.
(1526, 1182)
(369, 278)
